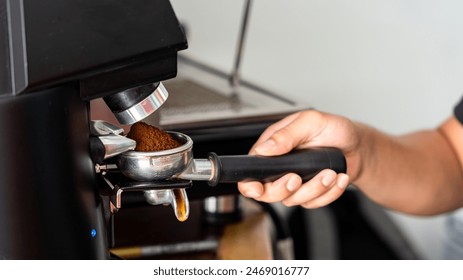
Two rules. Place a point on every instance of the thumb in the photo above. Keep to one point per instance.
(289, 133)
(281, 141)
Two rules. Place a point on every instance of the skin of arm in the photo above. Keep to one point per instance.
(418, 173)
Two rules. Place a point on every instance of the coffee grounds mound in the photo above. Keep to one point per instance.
(150, 138)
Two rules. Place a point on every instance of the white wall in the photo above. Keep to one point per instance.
(394, 64)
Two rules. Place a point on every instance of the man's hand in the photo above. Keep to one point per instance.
(304, 130)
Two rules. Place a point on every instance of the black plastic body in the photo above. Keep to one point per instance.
(56, 56)
(49, 207)
(306, 163)
(97, 149)
(107, 45)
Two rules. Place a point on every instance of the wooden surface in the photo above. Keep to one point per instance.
(249, 239)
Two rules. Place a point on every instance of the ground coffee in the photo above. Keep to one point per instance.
(150, 138)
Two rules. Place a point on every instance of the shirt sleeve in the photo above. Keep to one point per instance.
(458, 111)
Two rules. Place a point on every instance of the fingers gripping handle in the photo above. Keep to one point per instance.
(306, 163)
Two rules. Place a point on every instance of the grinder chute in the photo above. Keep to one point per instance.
(135, 104)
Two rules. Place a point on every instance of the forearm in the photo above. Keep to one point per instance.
(417, 173)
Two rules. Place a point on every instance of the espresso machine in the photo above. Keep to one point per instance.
(55, 57)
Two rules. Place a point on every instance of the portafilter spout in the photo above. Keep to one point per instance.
(177, 198)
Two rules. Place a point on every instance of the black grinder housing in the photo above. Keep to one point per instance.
(56, 56)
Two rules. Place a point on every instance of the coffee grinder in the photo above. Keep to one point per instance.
(55, 57)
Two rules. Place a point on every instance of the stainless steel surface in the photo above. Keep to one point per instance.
(222, 204)
(101, 128)
(166, 249)
(198, 170)
(202, 97)
(144, 108)
(235, 77)
(178, 199)
(147, 166)
(159, 197)
(102, 168)
(116, 144)
(178, 248)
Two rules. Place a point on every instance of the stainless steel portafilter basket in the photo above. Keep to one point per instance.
(179, 163)
(159, 165)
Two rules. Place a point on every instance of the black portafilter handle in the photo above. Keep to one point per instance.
(306, 163)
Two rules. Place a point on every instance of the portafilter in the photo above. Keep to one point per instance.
(179, 163)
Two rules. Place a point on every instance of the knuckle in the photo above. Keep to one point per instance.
(284, 137)
(312, 114)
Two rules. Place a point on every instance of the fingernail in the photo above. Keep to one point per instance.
(343, 181)
(293, 184)
(266, 146)
(252, 194)
(328, 179)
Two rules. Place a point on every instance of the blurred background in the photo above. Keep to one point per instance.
(396, 65)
